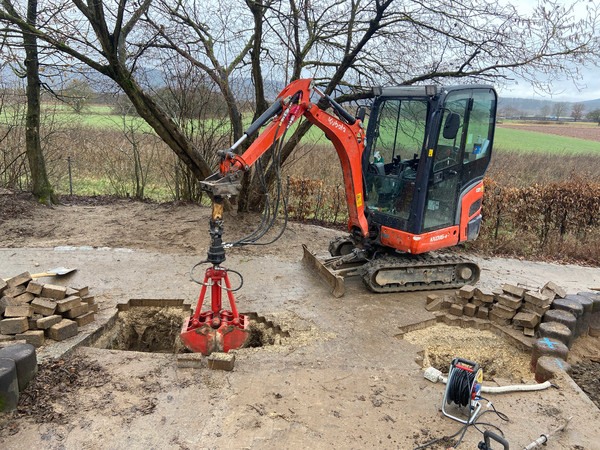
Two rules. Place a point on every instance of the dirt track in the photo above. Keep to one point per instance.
(346, 380)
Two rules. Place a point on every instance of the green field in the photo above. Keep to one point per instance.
(531, 141)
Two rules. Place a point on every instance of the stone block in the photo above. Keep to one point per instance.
(85, 319)
(19, 280)
(77, 311)
(35, 287)
(70, 291)
(484, 295)
(551, 286)
(457, 299)
(503, 311)
(435, 305)
(537, 298)
(25, 360)
(526, 320)
(7, 301)
(539, 310)
(82, 290)
(33, 337)
(513, 290)
(32, 321)
(24, 298)
(548, 347)
(547, 367)
(68, 303)
(456, 309)
(470, 310)
(14, 291)
(556, 331)
(221, 361)
(190, 360)
(548, 293)
(9, 385)
(18, 311)
(483, 312)
(14, 325)
(498, 320)
(510, 301)
(94, 307)
(7, 337)
(430, 298)
(467, 291)
(43, 306)
(54, 291)
(47, 322)
(89, 299)
(3, 285)
(530, 332)
(63, 330)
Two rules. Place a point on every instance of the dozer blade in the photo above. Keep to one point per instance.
(335, 281)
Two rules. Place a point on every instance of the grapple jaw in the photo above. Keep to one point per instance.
(202, 337)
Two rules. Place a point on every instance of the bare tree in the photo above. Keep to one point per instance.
(559, 109)
(40, 185)
(577, 111)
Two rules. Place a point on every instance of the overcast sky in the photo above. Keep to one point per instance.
(586, 89)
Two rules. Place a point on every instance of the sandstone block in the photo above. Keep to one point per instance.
(503, 311)
(54, 291)
(539, 310)
(483, 312)
(456, 309)
(18, 311)
(430, 298)
(43, 306)
(14, 291)
(14, 325)
(63, 330)
(82, 290)
(85, 319)
(35, 287)
(3, 285)
(33, 337)
(435, 305)
(537, 298)
(47, 322)
(510, 301)
(530, 332)
(513, 290)
(19, 280)
(221, 361)
(551, 286)
(467, 291)
(526, 320)
(24, 298)
(470, 310)
(484, 295)
(67, 304)
(77, 311)
(498, 319)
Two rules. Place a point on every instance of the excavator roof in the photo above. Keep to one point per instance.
(422, 91)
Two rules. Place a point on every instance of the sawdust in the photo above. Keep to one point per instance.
(492, 351)
(146, 329)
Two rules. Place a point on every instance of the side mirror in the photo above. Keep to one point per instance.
(451, 126)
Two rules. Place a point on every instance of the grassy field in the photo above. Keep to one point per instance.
(532, 141)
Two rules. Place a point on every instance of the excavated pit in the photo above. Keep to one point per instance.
(496, 354)
(154, 326)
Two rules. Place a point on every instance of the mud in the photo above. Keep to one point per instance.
(498, 357)
(587, 376)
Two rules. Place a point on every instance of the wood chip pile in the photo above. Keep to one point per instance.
(32, 311)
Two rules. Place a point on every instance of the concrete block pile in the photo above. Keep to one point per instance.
(32, 311)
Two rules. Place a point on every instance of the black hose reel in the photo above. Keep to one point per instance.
(463, 389)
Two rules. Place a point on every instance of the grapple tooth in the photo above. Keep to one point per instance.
(335, 281)
(206, 339)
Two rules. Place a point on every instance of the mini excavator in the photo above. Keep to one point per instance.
(414, 185)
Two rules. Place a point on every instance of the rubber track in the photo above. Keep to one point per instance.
(415, 261)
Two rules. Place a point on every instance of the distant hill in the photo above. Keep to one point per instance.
(590, 105)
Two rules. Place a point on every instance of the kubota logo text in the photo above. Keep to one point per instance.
(334, 123)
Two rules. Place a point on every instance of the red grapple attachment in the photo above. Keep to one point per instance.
(217, 330)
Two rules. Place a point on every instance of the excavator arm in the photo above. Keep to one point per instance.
(347, 136)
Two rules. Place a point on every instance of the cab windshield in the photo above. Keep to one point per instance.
(398, 140)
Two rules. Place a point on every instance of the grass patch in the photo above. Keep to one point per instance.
(531, 141)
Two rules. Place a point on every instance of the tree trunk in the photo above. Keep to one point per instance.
(41, 187)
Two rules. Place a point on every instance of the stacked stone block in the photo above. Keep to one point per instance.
(31, 310)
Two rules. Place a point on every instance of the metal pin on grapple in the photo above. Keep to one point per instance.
(216, 330)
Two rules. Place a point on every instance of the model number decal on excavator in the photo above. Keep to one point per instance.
(336, 124)
(358, 200)
(438, 238)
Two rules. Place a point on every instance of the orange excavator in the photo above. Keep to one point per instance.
(414, 185)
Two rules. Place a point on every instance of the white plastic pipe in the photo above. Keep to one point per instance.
(435, 375)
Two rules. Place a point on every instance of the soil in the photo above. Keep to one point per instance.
(589, 132)
(495, 354)
(587, 376)
(339, 377)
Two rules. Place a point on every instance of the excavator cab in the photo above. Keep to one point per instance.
(427, 151)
